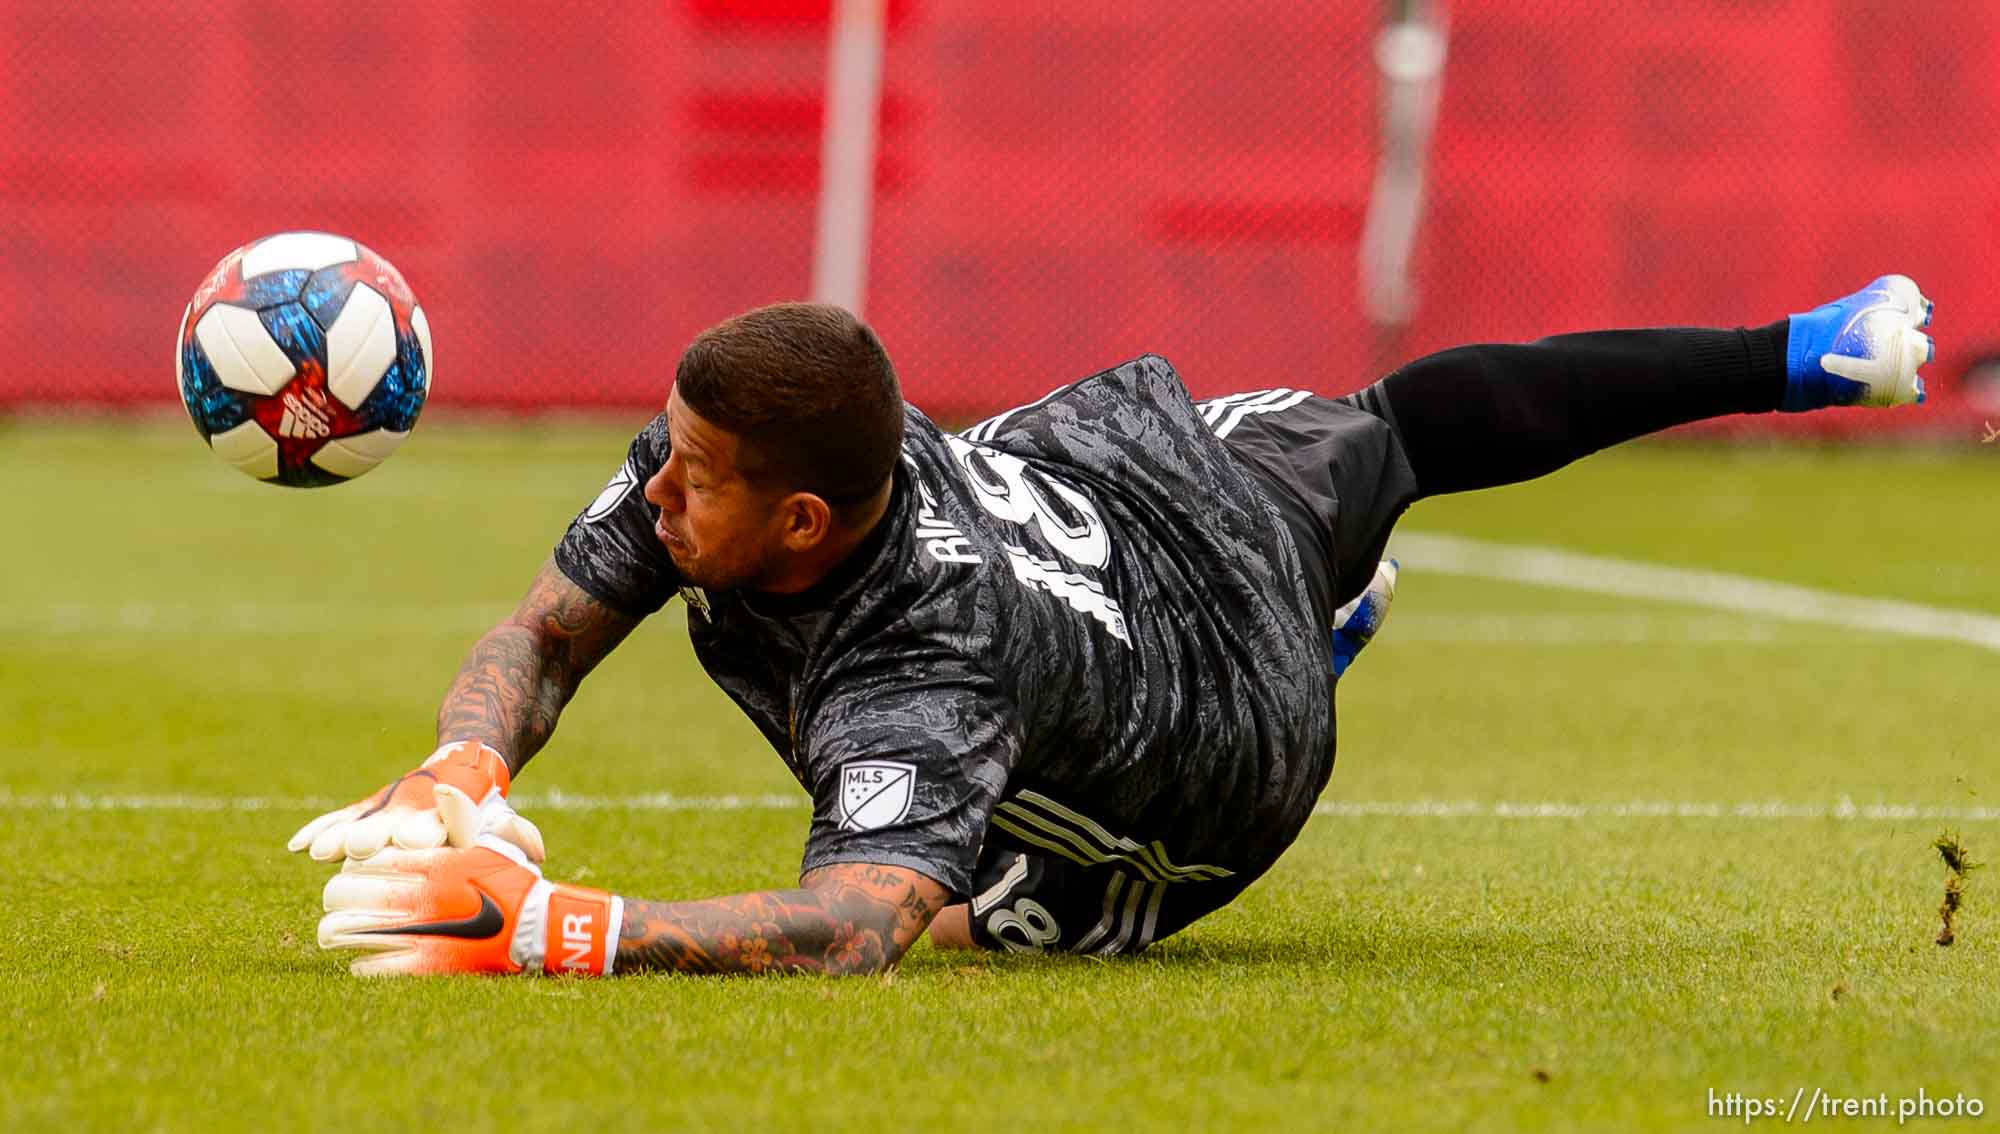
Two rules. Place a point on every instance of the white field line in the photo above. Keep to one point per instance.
(526, 801)
(1715, 590)
(1840, 810)
(1637, 627)
(473, 618)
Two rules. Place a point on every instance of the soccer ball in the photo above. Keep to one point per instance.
(304, 359)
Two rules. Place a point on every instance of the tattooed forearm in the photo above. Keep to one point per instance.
(518, 677)
(505, 695)
(850, 918)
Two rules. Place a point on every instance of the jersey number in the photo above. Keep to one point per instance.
(1024, 927)
(1012, 490)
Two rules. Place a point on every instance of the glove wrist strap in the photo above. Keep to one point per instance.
(480, 756)
(567, 929)
(581, 931)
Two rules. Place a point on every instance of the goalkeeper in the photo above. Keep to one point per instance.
(1062, 682)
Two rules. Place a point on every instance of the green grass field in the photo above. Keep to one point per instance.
(192, 664)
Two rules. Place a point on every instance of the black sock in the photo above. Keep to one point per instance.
(1480, 416)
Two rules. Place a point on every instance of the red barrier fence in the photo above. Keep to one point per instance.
(573, 194)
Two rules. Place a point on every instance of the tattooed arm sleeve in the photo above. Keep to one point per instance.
(518, 677)
(844, 918)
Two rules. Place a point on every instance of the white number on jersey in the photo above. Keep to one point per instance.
(1009, 489)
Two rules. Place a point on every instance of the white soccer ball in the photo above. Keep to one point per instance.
(304, 359)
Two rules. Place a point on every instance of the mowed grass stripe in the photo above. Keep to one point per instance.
(1756, 603)
(251, 618)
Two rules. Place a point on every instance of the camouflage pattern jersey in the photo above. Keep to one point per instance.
(1080, 629)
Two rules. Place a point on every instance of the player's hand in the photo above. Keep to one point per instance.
(408, 812)
(1861, 350)
(478, 909)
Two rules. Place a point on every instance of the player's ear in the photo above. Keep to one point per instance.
(807, 520)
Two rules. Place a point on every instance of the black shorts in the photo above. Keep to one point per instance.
(1337, 473)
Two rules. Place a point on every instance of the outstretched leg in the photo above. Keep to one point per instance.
(1479, 416)
(1342, 471)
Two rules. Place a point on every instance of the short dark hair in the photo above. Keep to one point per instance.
(808, 390)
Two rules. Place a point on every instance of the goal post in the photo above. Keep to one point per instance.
(1409, 60)
(847, 154)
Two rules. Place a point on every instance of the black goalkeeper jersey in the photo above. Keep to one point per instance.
(1080, 629)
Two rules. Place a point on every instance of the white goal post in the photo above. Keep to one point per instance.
(847, 154)
(1409, 53)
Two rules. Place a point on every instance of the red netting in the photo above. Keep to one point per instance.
(574, 193)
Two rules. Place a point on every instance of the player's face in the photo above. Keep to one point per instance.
(721, 531)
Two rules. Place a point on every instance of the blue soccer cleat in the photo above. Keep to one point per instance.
(1357, 623)
(1863, 350)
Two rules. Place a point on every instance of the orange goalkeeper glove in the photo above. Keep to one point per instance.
(478, 909)
(408, 812)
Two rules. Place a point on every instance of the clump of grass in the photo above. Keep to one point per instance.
(1952, 849)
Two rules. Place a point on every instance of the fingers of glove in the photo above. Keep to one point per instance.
(393, 880)
(1918, 349)
(365, 897)
(325, 838)
(330, 845)
(306, 835)
(369, 834)
(518, 830)
(1850, 367)
(402, 960)
(466, 822)
(1891, 372)
(1886, 346)
(459, 815)
(1922, 310)
(418, 830)
(1901, 291)
(357, 929)
(429, 956)
(502, 824)
(409, 828)
(407, 823)
(392, 954)
(1917, 308)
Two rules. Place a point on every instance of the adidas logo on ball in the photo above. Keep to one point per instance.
(302, 419)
